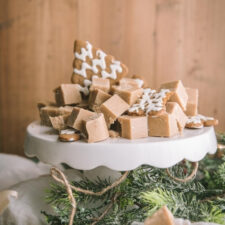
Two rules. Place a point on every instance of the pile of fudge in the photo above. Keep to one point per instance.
(102, 102)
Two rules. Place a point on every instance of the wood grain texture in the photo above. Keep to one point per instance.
(159, 39)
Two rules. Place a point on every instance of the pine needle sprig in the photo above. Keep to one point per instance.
(144, 191)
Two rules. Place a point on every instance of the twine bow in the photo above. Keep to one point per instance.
(56, 174)
(193, 174)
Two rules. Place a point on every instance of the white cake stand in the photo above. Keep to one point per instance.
(119, 154)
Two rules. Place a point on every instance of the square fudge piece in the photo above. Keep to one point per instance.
(161, 217)
(127, 93)
(163, 125)
(68, 94)
(96, 98)
(129, 82)
(95, 128)
(192, 104)
(52, 111)
(100, 83)
(134, 127)
(180, 95)
(59, 122)
(77, 116)
(113, 108)
(175, 110)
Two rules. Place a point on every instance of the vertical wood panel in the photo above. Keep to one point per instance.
(159, 39)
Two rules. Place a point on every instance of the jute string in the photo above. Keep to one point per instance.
(190, 177)
(60, 177)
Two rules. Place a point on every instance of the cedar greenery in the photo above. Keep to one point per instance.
(144, 191)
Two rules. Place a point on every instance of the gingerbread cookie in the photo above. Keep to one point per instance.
(151, 102)
(200, 121)
(90, 61)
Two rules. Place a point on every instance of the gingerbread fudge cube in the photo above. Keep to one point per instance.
(96, 98)
(174, 109)
(129, 82)
(77, 116)
(95, 128)
(59, 122)
(100, 83)
(162, 125)
(113, 108)
(134, 127)
(161, 217)
(192, 104)
(46, 112)
(128, 94)
(180, 95)
(68, 94)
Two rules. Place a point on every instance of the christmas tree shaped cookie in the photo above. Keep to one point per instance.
(91, 62)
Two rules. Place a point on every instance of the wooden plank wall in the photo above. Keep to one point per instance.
(160, 39)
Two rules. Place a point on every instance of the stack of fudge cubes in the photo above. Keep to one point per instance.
(102, 102)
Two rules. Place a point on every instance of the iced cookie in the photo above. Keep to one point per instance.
(179, 93)
(200, 121)
(91, 61)
(151, 102)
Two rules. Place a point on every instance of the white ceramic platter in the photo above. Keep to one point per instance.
(118, 153)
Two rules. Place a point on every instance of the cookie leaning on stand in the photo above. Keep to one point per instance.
(199, 121)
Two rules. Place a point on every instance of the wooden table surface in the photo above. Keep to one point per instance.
(160, 39)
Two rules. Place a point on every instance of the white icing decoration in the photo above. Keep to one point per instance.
(85, 53)
(115, 66)
(139, 82)
(198, 119)
(67, 131)
(150, 101)
(100, 61)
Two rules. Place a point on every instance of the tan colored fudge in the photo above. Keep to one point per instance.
(180, 95)
(134, 127)
(100, 83)
(192, 104)
(77, 116)
(113, 134)
(127, 93)
(52, 111)
(59, 122)
(113, 108)
(129, 82)
(95, 128)
(161, 217)
(163, 125)
(175, 110)
(68, 94)
(96, 98)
